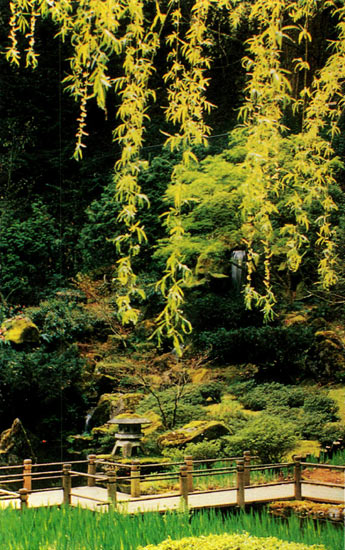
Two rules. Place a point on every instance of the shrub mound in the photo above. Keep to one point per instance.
(230, 542)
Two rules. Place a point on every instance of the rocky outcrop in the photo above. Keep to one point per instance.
(15, 445)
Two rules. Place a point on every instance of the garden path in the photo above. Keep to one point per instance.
(93, 497)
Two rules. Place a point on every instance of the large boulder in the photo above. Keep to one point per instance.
(194, 431)
(15, 445)
(20, 330)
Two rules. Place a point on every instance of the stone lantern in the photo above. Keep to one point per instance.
(129, 436)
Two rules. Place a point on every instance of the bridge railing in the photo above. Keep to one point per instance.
(312, 474)
(172, 479)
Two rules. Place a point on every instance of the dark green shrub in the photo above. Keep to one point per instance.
(212, 392)
(30, 255)
(202, 393)
(266, 436)
(321, 403)
(62, 319)
(43, 389)
(332, 432)
(272, 395)
(268, 347)
(311, 425)
(203, 450)
(240, 388)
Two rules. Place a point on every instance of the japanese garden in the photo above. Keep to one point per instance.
(172, 280)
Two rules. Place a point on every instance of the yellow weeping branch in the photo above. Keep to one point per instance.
(133, 88)
(267, 93)
(187, 105)
(132, 31)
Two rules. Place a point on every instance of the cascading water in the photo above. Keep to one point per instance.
(238, 258)
(88, 420)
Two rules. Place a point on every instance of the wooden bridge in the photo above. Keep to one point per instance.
(99, 484)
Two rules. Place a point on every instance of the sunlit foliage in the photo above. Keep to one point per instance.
(134, 31)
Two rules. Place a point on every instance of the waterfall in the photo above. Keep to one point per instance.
(88, 420)
(237, 267)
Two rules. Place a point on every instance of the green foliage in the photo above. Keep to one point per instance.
(95, 243)
(175, 415)
(269, 193)
(42, 388)
(29, 251)
(201, 394)
(331, 432)
(63, 319)
(199, 451)
(320, 403)
(311, 425)
(268, 347)
(77, 527)
(265, 435)
(273, 394)
(211, 217)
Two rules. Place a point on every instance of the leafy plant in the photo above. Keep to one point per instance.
(265, 435)
(273, 394)
(322, 404)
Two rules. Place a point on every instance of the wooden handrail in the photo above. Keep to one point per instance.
(9, 493)
(83, 474)
(276, 465)
(328, 466)
(325, 483)
(59, 463)
(11, 467)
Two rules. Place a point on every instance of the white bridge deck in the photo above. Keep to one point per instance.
(96, 498)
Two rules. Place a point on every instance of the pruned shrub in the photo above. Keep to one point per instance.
(273, 394)
(234, 541)
(311, 425)
(204, 450)
(320, 403)
(265, 436)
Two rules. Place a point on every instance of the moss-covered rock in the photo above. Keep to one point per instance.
(20, 330)
(15, 444)
(194, 431)
(113, 404)
(154, 426)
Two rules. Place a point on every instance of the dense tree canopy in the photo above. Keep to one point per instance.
(127, 54)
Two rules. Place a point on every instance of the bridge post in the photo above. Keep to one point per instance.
(298, 477)
(188, 460)
(135, 478)
(111, 487)
(27, 478)
(66, 483)
(247, 459)
(91, 470)
(184, 484)
(24, 495)
(240, 483)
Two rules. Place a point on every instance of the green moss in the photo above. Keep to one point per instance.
(196, 430)
(19, 330)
